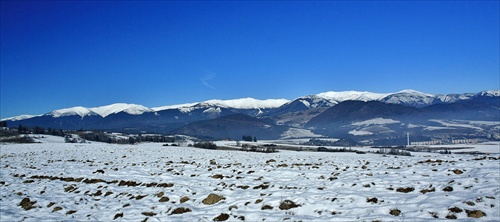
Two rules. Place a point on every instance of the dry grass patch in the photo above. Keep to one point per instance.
(266, 207)
(448, 189)
(455, 210)
(271, 161)
(27, 204)
(424, 191)
(56, 209)
(180, 210)
(212, 199)
(475, 213)
(470, 203)
(164, 199)
(262, 186)
(50, 204)
(244, 187)
(118, 215)
(218, 176)
(70, 188)
(288, 204)
(395, 212)
(222, 217)
(149, 214)
(451, 216)
(434, 214)
(184, 199)
(372, 200)
(405, 190)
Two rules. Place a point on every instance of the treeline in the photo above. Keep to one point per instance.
(249, 138)
(21, 133)
(106, 137)
(205, 145)
(341, 142)
(94, 135)
(33, 130)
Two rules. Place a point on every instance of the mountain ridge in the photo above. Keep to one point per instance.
(325, 99)
(363, 115)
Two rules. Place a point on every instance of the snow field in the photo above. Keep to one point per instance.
(102, 182)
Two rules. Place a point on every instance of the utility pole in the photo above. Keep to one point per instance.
(408, 138)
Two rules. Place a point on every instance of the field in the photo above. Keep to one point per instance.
(149, 182)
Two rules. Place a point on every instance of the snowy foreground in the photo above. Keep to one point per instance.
(102, 182)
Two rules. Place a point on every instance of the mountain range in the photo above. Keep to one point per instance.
(362, 115)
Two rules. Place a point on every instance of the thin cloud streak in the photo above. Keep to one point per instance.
(209, 76)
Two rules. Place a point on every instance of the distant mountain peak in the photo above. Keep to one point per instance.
(132, 109)
(489, 93)
(242, 103)
(249, 103)
(352, 95)
(102, 111)
(77, 110)
(20, 117)
(255, 107)
(414, 92)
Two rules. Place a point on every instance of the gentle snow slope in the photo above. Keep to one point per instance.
(89, 182)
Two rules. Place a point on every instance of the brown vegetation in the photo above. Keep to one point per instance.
(180, 210)
(395, 212)
(288, 204)
(27, 204)
(212, 199)
(405, 190)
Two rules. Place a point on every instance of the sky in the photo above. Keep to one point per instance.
(60, 54)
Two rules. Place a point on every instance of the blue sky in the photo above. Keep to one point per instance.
(58, 54)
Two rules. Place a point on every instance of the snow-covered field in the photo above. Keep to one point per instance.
(102, 182)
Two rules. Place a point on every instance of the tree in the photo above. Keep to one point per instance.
(38, 130)
(131, 140)
(255, 139)
(206, 145)
(247, 138)
(21, 129)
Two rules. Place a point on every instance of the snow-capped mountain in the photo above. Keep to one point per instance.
(352, 95)
(132, 109)
(301, 104)
(451, 98)
(327, 99)
(243, 103)
(250, 105)
(409, 98)
(102, 111)
(309, 111)
(20, 117)
(490, 93)
(404, 97)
